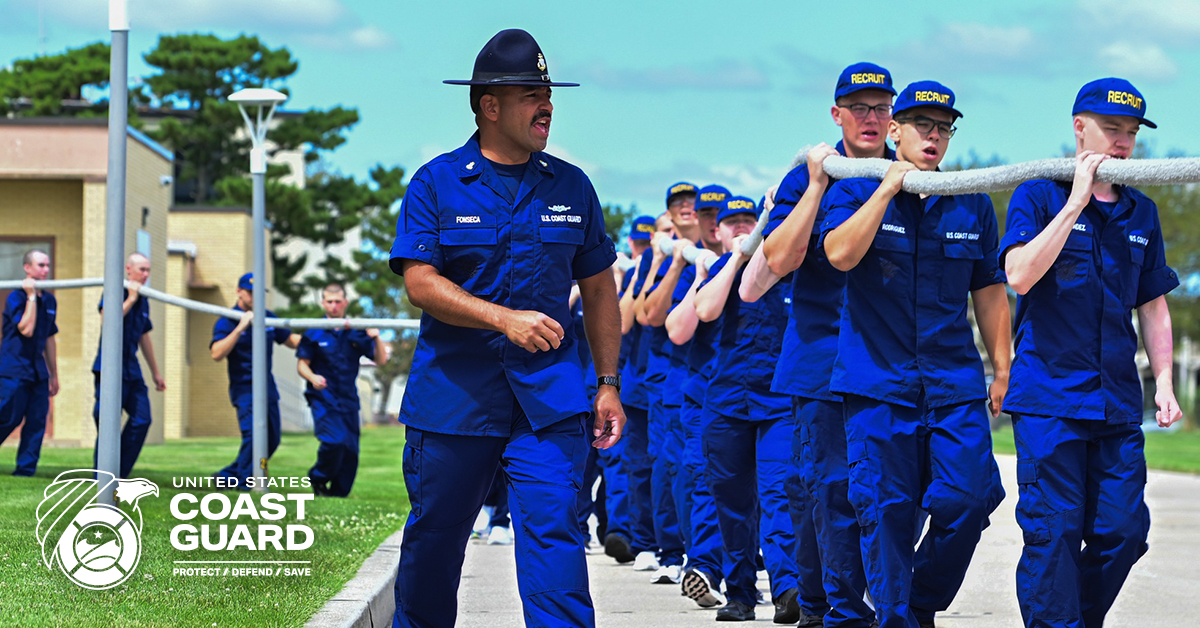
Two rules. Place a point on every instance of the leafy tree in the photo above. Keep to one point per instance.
(51, 82)
(616, 218)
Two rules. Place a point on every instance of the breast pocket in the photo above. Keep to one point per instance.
(465, 250)
(1074, 262)
(1137, 259)
(894, 257)
(959, 259)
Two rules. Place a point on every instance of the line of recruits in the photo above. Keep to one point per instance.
(809, 407)
(328, 361)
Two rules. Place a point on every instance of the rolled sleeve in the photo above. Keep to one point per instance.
(987, 271)
(598, 252)
(281, 334)
(789, 193)
(1022, 225)
(305, 350)
(686, 279)
(838, 205)
(417, 230)
(1157, 278)
(716, 268)
(221, 329)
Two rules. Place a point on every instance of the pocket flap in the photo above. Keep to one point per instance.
(962, 249)
(465, 236)
(1078, 242)
(1026, 472)
(893, 243)
(562, 235)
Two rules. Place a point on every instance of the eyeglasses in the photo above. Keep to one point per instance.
(860, 111)
(925, 126)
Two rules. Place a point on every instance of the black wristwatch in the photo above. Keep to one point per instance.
(609, 380)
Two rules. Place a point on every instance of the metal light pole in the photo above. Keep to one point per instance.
(260, 99)
(108, 440)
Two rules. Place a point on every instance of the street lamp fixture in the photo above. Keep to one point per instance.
(260, 99)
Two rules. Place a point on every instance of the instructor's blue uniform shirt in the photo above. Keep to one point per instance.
(522, 254)
(1074, 333)
(136, 323)
(334, 354)
(904, 327)
(239, 363)
(749, 337)
(811, 338)
(20, 357)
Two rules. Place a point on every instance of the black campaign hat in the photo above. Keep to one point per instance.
(512, 57)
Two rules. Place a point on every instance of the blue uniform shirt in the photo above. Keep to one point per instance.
(811, 337)
(749, 337)
(904, 326)
(240, 361)
(520, 254)
(20, 357)
(657, 342)
(632, 391)
(334, 354)
(585, 350)
(1074, 334)
(136, 323)
(677, 368)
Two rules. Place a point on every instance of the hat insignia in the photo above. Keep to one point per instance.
(541, 64)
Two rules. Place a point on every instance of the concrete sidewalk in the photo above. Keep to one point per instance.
(1163, 591)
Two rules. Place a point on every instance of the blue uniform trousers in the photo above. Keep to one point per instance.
(135, 401)
(665, 450)
(705, 550)
(585, 502)
(243, 466)
(615, 487)
(801, 510)
(937, 459)
(28, 401)
(337, 455)
(447, 476)
(1083, 513)
(497, 498)
(748, 464)
(820, 446)
(637, 464)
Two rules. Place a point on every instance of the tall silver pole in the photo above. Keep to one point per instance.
(258, 331)
(108, 443)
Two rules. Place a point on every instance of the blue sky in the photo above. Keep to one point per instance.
(720, 92)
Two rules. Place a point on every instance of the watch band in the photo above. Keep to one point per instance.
(609, 380)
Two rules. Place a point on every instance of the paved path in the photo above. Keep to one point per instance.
(1163, 591)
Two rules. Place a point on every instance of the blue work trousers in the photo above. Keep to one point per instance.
(243, 466)
(937, 459)
(820, 447)
(28, 401)
(1083, 513)
(666, 448)
(748, 469)
(135, 401)
(615, 488)
(447, 477)
(638, 472)
(338, 433)
(706, 550)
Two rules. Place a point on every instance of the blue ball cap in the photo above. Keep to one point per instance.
(246, 282)
(642, 229)
(1112, 97)
(712, 197)
(863, 76)
(925, 94)
(737, 205)
(683, 187)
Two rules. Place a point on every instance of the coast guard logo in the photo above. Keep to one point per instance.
(97, 546)
(559, 208)
(541, 63)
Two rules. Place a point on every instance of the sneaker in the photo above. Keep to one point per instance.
(499, 536)
(787, 607)
(670, 574)
(617, 546)
(481, 521)
(735, 611)
(645, 561)
(759, 599)
(698, 587)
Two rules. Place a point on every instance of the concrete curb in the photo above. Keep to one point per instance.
(368, 600)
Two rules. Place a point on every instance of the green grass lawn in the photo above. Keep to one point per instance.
(345, 531)
(1169, 451)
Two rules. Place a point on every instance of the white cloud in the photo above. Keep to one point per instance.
(723, 74)
(1138, 61)
(371, 38)
(1175, 20)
